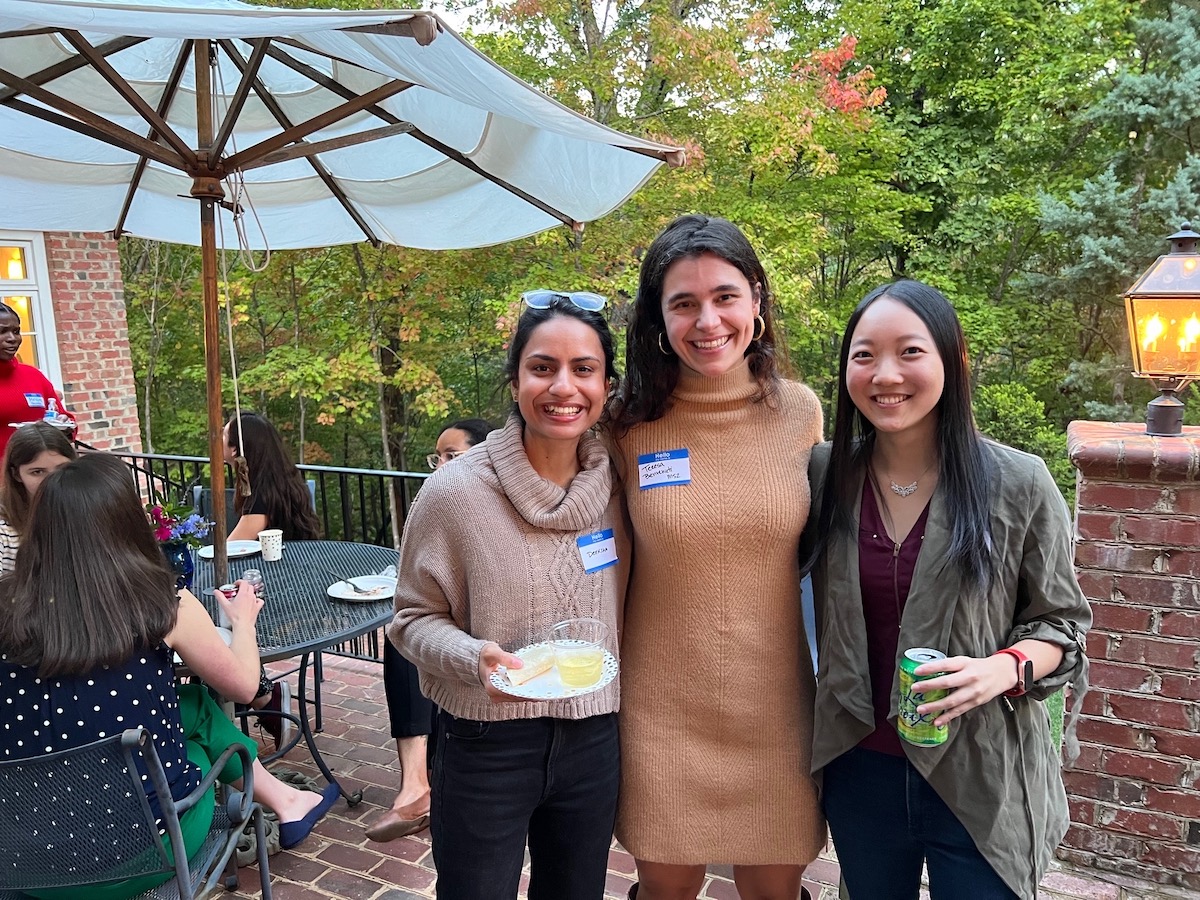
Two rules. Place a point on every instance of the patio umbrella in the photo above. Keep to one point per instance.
(189, 122)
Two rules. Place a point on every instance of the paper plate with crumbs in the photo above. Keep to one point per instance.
(547, 684)
(371, 589)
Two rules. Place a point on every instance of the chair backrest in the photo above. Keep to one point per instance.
(82, 816)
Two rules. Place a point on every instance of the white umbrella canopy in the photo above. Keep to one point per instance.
(180, 121)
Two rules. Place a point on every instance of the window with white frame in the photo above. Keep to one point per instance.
(25, 286)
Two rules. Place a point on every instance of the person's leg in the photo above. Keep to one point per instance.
(570, 832)
(410, 714)
(956, 867)
(863, 795)
(666, 881)
(488, 777)
(767, 882)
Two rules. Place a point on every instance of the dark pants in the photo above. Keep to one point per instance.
(410, 712)
(496, 785)
(885, 821)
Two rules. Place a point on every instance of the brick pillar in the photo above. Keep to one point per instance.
(93, 340)
(1135, 791)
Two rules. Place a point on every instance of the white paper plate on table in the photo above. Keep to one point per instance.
(233, 549)
(378, 587)
(64, 425)
(548, 686)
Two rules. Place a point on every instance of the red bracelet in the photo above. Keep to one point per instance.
(1024, 671)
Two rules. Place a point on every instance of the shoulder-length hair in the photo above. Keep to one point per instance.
(27, 444)
(651, 373)
(91, 586)
(278, 490)
(963, 464)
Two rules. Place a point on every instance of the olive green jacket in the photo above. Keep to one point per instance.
(998, 771)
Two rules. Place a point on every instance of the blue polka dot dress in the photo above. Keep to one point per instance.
(45, 715)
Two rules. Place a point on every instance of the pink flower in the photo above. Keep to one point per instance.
(162, 533)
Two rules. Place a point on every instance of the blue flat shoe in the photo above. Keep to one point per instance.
(292, 833)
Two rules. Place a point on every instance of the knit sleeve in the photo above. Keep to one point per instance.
(9, 540)
(431, 589)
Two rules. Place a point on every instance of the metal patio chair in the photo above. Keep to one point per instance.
(83, 817)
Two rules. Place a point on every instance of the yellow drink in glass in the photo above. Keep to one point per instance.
(579, 666)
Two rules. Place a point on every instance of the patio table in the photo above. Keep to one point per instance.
(299, 618)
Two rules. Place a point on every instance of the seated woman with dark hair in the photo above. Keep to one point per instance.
(34, 452)
(89, 620)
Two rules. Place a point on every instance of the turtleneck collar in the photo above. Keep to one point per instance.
(735, 385)
(543, 503)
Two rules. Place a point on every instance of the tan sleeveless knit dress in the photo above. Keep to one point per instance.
(716, 680)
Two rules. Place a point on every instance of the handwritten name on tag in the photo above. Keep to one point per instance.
(666, 467)
(597, 550)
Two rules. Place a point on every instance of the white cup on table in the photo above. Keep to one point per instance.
(271, 541)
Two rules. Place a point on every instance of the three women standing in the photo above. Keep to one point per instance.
(713, 445)
(492, 557)
(929, 536)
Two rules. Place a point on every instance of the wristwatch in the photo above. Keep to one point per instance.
(1024, 671)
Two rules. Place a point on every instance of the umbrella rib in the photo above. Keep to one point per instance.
(341, 90)
(132, 97)
(249, 79)
(268, 100)
(302, 149)
(82, 122)
(66, 66)
(164, 106)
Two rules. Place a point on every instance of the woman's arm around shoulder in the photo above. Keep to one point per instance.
(232, 670)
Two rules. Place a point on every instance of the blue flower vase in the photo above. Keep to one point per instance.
(179, 558)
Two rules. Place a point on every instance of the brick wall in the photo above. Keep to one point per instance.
(1135, 790)
(93, 341)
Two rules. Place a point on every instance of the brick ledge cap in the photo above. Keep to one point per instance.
(1123, 451)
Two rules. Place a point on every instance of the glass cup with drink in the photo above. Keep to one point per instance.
(579, 651)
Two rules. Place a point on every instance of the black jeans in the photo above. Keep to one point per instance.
(496, 785)
(885, 821)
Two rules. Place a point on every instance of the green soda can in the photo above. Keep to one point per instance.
(913, 727)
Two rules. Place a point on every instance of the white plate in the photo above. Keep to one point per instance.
(548, 686)
(380, 587)
(233, 549)
(63, 425)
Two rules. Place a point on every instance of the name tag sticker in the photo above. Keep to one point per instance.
(664, 468)
(35, 400)
(597, 550)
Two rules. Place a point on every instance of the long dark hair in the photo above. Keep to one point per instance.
(531, 318)
(27, 444)
(963, 464)
(91, 586)
(652, 374)
(278, 490)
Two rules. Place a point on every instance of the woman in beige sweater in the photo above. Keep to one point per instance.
(717, 682)
(499, 547)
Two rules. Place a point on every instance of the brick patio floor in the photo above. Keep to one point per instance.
(338, 861)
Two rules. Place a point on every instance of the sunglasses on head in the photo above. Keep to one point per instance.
(546, 299)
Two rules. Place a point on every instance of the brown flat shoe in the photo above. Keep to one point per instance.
(391, 825)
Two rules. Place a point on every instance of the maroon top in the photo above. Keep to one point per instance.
(885, 573)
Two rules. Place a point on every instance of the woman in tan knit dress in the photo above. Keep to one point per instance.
(717, 684)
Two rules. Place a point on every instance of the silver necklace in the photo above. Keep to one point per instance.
(907, 490)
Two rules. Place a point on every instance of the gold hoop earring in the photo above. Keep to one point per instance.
(661, 349)
(760, 328)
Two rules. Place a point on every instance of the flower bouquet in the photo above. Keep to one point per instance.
(180, 531)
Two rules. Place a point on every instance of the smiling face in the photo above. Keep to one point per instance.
(708, 310)
(560, 386)
(33, 473)
(894, 374)
(10, 335)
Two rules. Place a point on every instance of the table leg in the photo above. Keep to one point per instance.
(305, 730)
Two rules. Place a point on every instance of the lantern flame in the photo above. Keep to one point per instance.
(1152, 330)
(1191, 334)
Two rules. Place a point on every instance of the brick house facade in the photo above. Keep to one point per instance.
(81, 332)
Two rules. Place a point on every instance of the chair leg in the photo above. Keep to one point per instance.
(318, 677)
(264, 871)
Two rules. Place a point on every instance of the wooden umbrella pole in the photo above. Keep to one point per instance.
(206, 187)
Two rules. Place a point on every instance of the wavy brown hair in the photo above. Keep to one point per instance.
(27, 444)
(91, 585)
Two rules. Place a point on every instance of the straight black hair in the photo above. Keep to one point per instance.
(476, 430)
(278, 490)
(653, 374)
(963, 464)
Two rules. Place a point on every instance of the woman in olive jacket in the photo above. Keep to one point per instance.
(930, 536)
